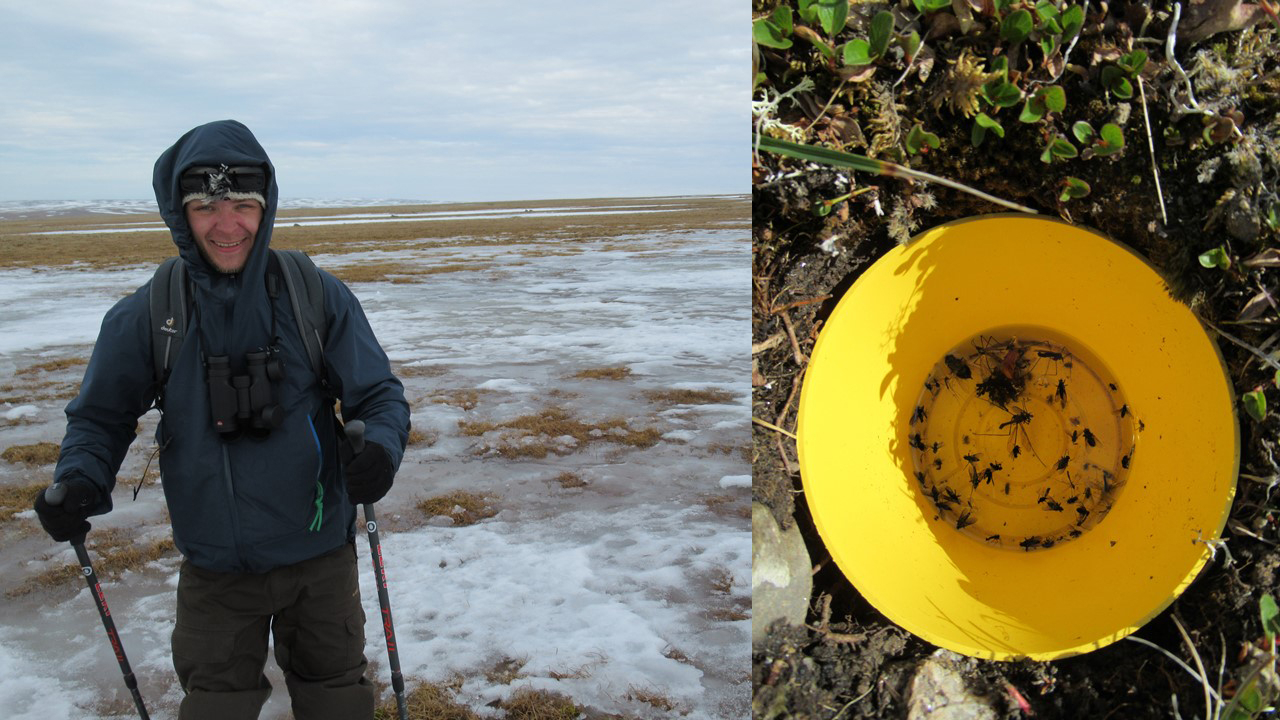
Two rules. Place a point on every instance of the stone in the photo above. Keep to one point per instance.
(781, 573)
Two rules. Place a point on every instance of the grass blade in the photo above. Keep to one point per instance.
(827, 156)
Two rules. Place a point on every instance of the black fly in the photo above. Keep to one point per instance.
(1090, 438)
(1124, 409)
(1053, 505)
(1016, 451)
(1063, 461)
(958, 366)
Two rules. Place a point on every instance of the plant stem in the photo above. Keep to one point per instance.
(827, 156)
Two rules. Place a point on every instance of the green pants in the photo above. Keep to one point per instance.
(313, 611)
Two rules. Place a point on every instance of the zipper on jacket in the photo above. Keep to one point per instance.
(231, 504)
(318, 519)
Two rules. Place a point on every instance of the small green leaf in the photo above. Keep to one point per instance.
(832, 14)
(1016, 26)
(928, 6)
(910, 44)
(1059, 148)
(809, 11)
(1032, 110)
(1000, 66)
(986, 122)
(881, 31)
(1133, 62)
(1110, 140)
(1083, 132)
(1270, 615)
(1046, 10)
(1002, 93)
(857, 52)
(1255, 404)
(919, 137)
(782, 18)
(1072, 21)
(981, 124)
(1055, 98)
(1073, 189)
(1113, 79)
(1216, 258)
(1048, 44)
(767, 33)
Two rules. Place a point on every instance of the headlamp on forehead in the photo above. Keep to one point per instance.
(207, 182)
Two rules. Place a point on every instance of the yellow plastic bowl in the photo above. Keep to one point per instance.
(864, 468)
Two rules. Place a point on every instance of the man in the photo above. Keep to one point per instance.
(262, 505)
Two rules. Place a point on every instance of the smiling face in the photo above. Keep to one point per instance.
(224, 231)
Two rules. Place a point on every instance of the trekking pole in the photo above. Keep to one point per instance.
(54, 495)
(355, 434)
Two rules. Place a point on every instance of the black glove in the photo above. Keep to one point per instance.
(67, 520)
(369, 473)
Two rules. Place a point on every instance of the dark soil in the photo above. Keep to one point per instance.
(1218, 167)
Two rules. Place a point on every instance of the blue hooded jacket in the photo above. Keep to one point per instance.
(247, 505)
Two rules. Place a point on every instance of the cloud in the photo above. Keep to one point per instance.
(410, 95)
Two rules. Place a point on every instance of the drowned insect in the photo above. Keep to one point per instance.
(971, 459)
(994, 538)
(935, 447)
(1083, 512)
(951, 495)
(917, 442)
(1124, 409)
(1029, 543)
(1016, 451)
(919, 415)
(1061, 392)
(1053, 505)
(1063, 462)
(1090, 438)
(965, 520)
(937, 463)
(1048, 543)
(974, 478)
(958, 367)
(1075, 436)
(920, 478)
(1006, 488)
(1124, 460)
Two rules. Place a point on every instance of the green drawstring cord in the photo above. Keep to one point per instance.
(319, 517)
(315, 522)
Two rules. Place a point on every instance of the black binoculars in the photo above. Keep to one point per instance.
(244, 403)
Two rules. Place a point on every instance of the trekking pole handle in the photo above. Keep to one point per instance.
(355, 435)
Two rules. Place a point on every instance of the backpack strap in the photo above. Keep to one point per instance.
(168, 318)
(306, 296)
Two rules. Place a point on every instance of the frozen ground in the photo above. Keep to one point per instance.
(635, 583)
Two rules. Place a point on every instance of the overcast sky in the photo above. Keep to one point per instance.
(402, 99)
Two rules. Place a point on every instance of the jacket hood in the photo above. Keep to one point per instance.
(234, 312)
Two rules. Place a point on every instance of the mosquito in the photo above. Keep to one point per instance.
(1017, 432)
